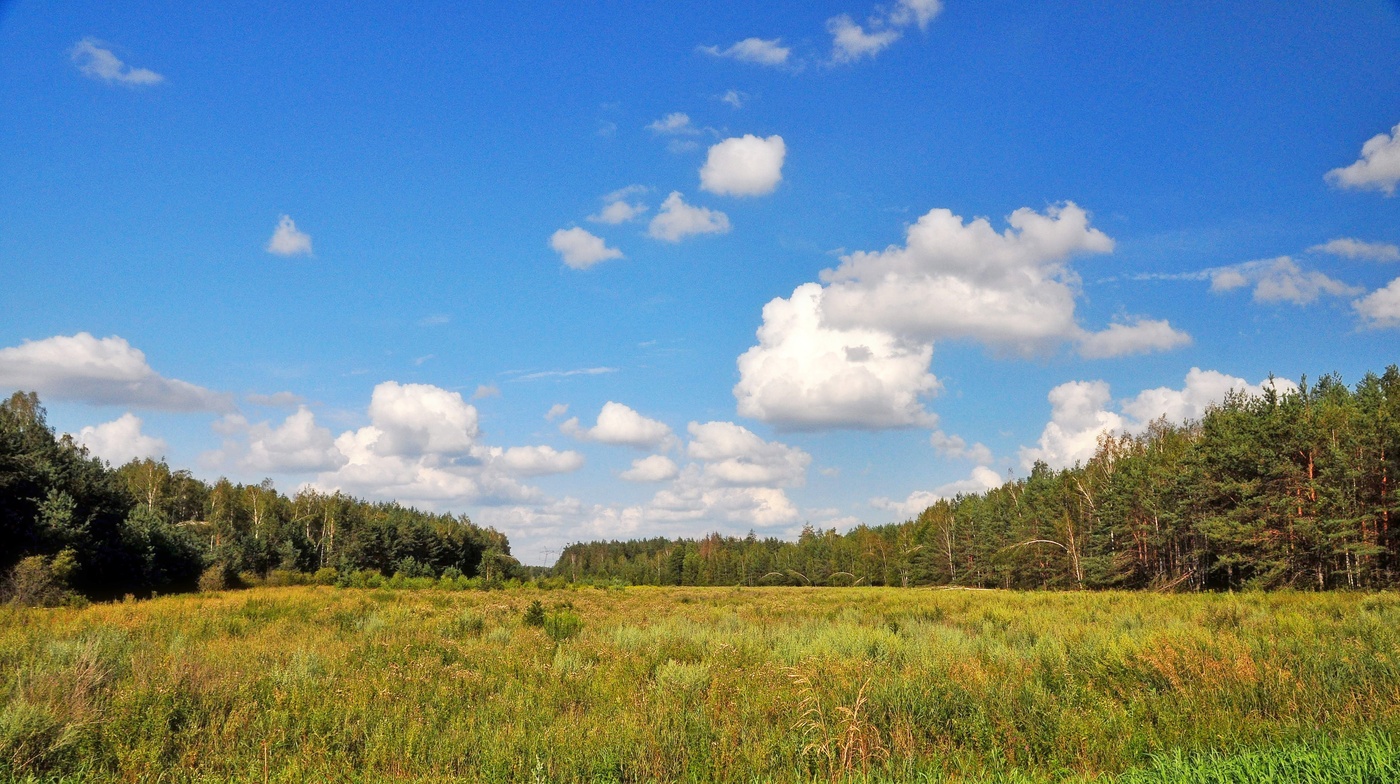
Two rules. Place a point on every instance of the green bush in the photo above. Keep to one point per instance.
(562, 625)
(326, 575)
(34, 581)
(214, 578)
(534, 614)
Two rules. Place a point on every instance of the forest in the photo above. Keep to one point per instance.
(1289, 489)
(70, 525)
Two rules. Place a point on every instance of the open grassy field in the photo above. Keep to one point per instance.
(691, 684)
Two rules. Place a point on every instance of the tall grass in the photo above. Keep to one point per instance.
(736, 685)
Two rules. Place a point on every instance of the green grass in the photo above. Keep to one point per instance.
(734, 685)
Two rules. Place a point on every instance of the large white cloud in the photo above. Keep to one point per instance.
(95, 60)
(620, 425)
(420, 419)
(580, 249)
(1378, 168)
(1080, 412)
(803, 374)
(536, 460)
(951, 279)
(1278, 280)
(1381, 308)
(763, 51)
(744, 166)
(678, 220)
(101, 371)
(287, 240)
(121, 440)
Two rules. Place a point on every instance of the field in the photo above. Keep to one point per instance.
(692, 684)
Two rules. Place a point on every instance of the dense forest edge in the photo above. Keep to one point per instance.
(1287, 489)
(73, 528)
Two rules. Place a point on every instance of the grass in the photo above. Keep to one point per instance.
(733, 685)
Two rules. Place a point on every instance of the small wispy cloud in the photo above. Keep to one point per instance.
(592, 371)
(96, 61)
(287, 240)
(486, 390)
(760, 51)
(1350, 248)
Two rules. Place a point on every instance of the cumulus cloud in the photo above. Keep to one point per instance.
(1350, 248)
(419, 419)
(1278, 280)
(105, 371)
(536, 460)
(762, 51)
(744, 166)
(618, 209)
(298, 445)
(620, 425)
(652, 468)
(955, 447)
(1141, 337)
(580, 249)
(678, 220)
(805, 375)
(287, 240)
(980, 480)
(1381, 308)
(95, 60)
(1080, 412)
(120, 441)
(951, 279)
(735, 456)
(1378, 168)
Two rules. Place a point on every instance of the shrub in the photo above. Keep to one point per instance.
(562, 625)
(214, 578)
(534, 614)
(326, 575)
(34, 583)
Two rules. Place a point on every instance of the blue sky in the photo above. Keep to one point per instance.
(480, 229)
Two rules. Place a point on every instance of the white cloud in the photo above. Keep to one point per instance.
(763, 51)
(411, 419)
(803, 374)
(744, 166)
(652, 468)
(1080, 412)
(120, 441)
(980, 480)
(678, 220)
(851, 42)
(579, 249)
(1278, 280)
(287, 240)
(536, 460)
(673, 124)
(1350, 248)
(105, 371)
(592, 371)
(955, 447)
(735, 456)
(1378, 168)
(618, 211)
(1141, 337)
(298, 445)
(557, 410)
(96, 61)
(734, 98)
(1077, 419)
(953, 280)
(1381, 308)
(919, 12)
(620, 425)
(484, 391)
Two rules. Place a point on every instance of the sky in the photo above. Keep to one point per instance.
(604, 271)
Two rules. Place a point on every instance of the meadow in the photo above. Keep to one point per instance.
(321, 683)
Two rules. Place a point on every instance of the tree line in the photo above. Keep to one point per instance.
(74, 522)
(1283, 489)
